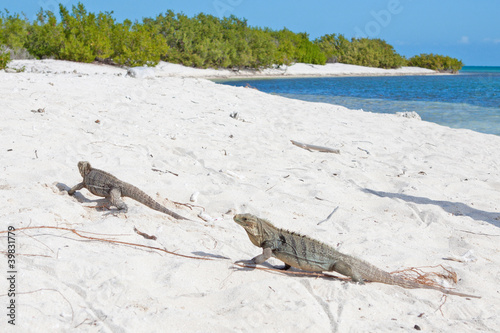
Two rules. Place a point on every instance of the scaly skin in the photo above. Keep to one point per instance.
(104, 184)
(309, 254)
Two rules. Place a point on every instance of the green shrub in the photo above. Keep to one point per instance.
(308, 52)
(13, 30)
(45, 36)
(294, 47)
(374, 53)
(200, 41)
(4, 58)
(436, 62)
(363, 52)
(333, 46)
(137, 44)
(207, 41)
(13, 35)
(263, 49)
(86, 36)
(237, 42)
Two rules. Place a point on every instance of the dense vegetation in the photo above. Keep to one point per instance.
(201, 41)
(363, 51)
(436, 62)
(4, 59)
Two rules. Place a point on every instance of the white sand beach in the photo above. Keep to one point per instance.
(165, 69)
(408, 193)
(295, 70)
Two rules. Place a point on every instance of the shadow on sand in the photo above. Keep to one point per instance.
(455, 208)
(101, 204)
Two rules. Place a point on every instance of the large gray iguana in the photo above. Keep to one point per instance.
(311, 255)
(104, 184)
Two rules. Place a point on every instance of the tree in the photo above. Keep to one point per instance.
(45, 36)
(4, 58)
(333, 46)
(137, 44)
(87, 36)
(13, 34)
(13, 30)
(294, 47)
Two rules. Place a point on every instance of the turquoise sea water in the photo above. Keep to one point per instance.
(470, 99)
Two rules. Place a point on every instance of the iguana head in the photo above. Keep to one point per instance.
(84, 168)
(252, 225)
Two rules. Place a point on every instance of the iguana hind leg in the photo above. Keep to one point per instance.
(115, 196)
(346, 269)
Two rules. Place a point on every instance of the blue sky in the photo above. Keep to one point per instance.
(464, 29)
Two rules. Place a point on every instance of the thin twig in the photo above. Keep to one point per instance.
(188, 205)
(478, 233)
(158, 170)
(50, 289)
(329, 216)
(418, 275)
(445, 298)
(366, 151)
(27, 254)
(153, 237)
(39, 242)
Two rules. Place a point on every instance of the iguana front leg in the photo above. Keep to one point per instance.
(266, 254)
(77, 187)
(115, 197)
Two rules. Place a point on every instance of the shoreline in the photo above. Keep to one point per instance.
(294, 71)
(305, 76)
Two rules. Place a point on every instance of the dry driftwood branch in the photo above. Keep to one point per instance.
(140, 233)
(314, 147)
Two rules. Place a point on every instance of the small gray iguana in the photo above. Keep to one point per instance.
(311, 255)
(104, 184)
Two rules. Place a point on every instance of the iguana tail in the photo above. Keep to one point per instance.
(409, 283)
(138, 195)
(374, 274)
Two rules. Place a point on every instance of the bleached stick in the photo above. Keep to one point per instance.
(314, 147)
(328, 216)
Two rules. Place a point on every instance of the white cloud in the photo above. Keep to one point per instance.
(464, 40)
(492, 40)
